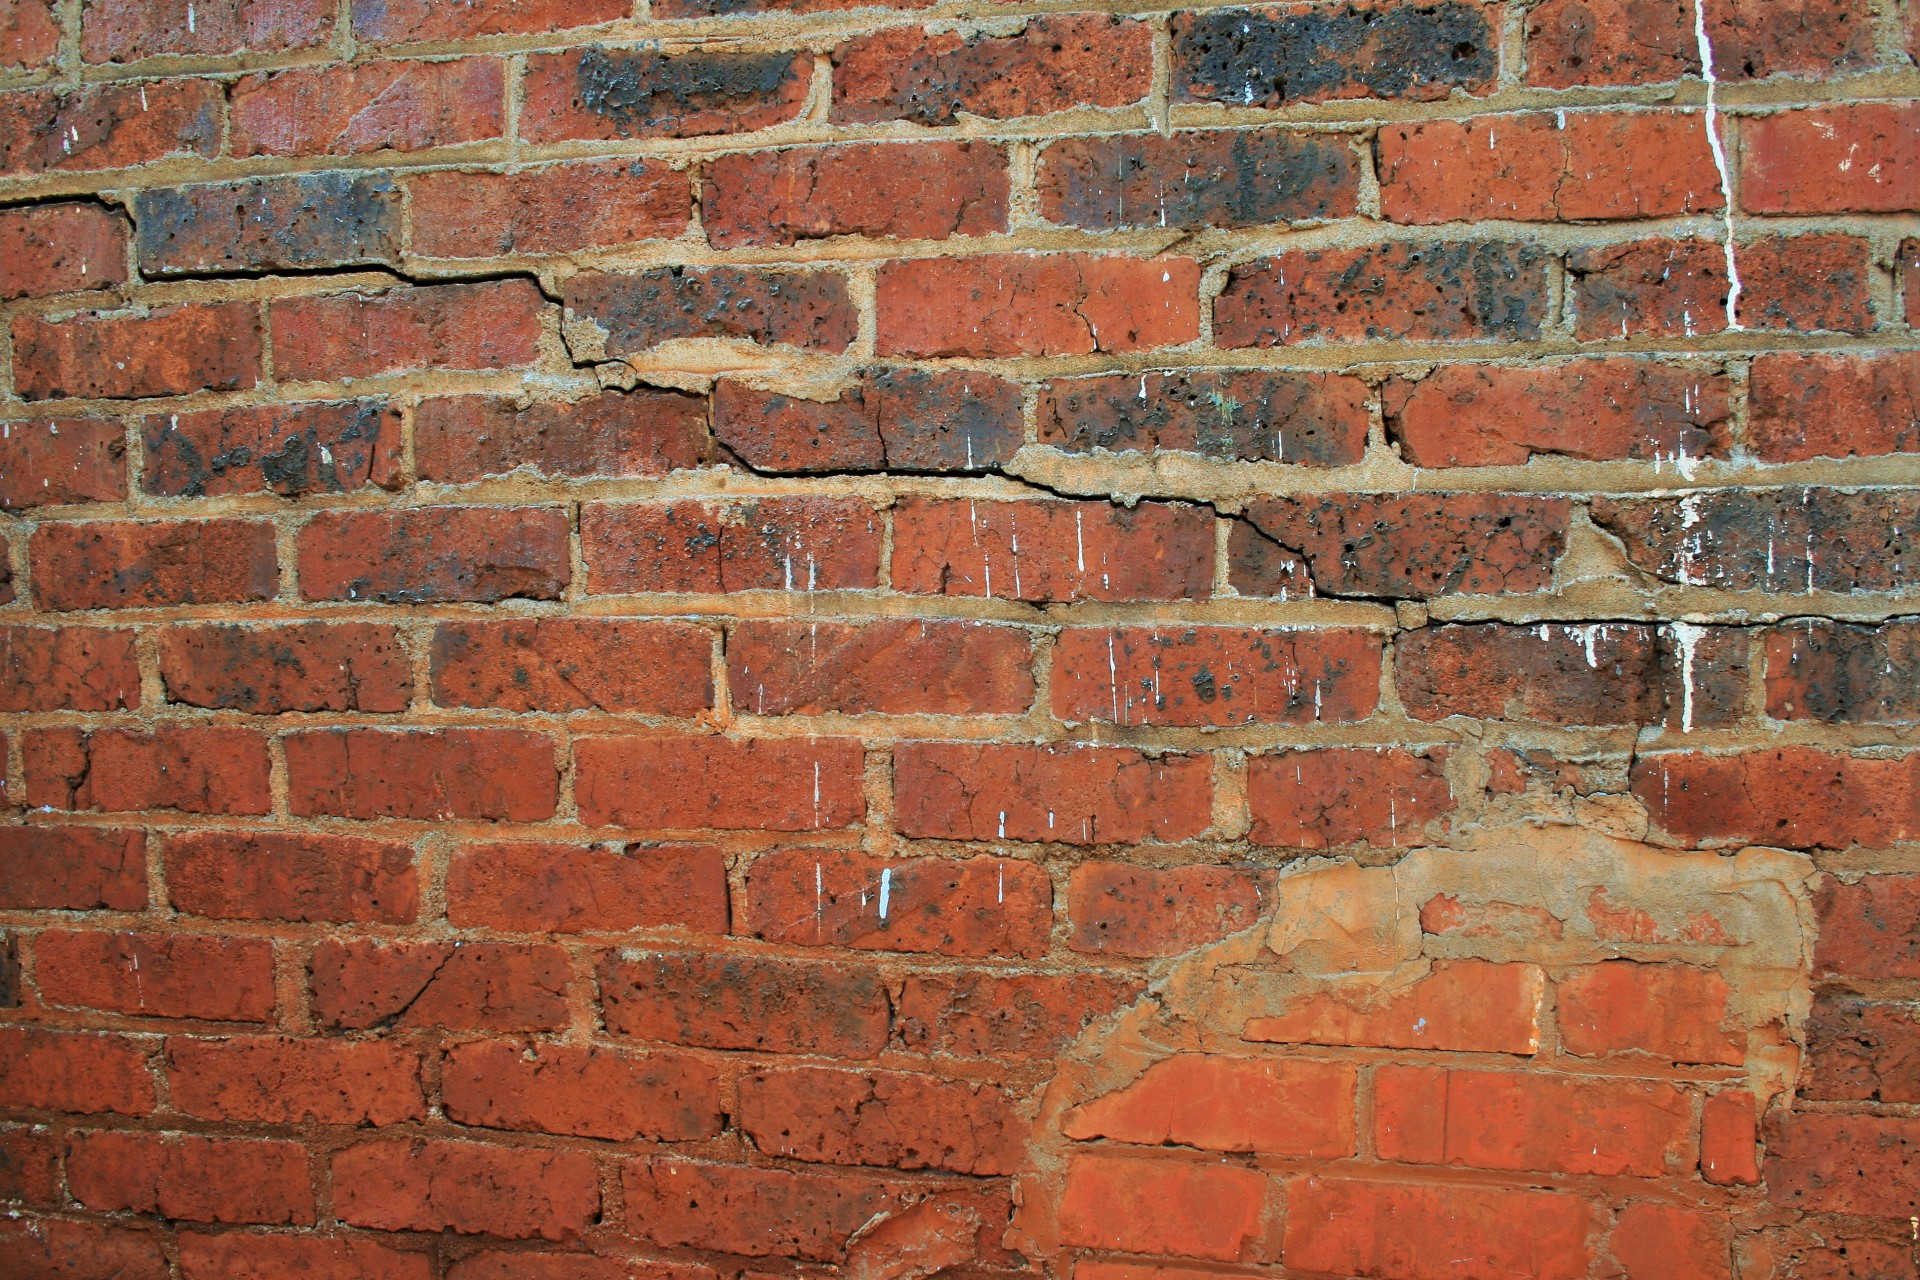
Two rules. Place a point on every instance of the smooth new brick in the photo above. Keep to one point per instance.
(421, 555)
(243, 1256)
(108, 126)
(1598, 674)
(493, 324)
(588, 1091)
(70, 1071)
(791, 544)
(190, 768)
(557, 888)
(61, 248)
(1859, 1164)
(1036, 305)
(68, 669)
(293, 450)
(476, 986)
(1791, 797)
(629, 314)
(1834, 406)
(164, 351)
(1309, 419)
(1678, 288)
(461, 439)
(1673, 1012)
(296, 666)
(1870, 928)
(54, 461)
(230, 875)
(127, 564)
(559, 208)
(434, 774)
(194, 1178)
(1189, 1210)
(772, 784)
(890, 667)
(1846, 159)
(403, 21)
(898, 419)
(1072, 551)
(305, 222)
(1325, 799)
(72, 869)
(467, 1188)
(1016, 1016)
(369, 106)
(1214, 676)
(951, 906)
(927, 191)
(1281, 1106)
(280, 1080)
(158, 975)
(601, 92)
(1350, 1226)
(888, 1118)
(1470, 1006)
(750, 1211)
(1123, 910)
(1069, 795)
(1467, 415)
(1862, 1051)
(1843, 673)
(1199, 179)
(128, 30)
(571, 664)
(1054, 63)
(722, 1001)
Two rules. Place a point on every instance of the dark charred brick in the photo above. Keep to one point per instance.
(1413, 546)
(68, 669)
(289, 449)
(169, 351)
(745, 1002)
(891, 419)
(598, 92)
(1844, 673)
(1439, 291)
(305, 222)
(552, 208)
(574, 664)
(792, 544)
(1224, 178)
(809, 309)
(49, 462)
(414, 556)
(1707, 672)
(378, 105)
(1598, 674)
(647, 432)
(921, 191)
(1313, 419)
(1318, 53)
(127, 565)
(9, 971)
(1862, 1051)
(1816, 405)
(108, 126)
(129, 30)
(1054, 63)
(1678, 288)
(296, 666)
(1780, 540)
(61, 248)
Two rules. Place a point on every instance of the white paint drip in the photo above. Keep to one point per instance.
(1719, 157)
(1688, 638)
(886, 890)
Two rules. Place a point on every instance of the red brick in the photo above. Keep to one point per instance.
(1036, 305)
(1609, 42)
(71, 1071)
(493, 324)
(899, 419)
(404, 21)
(963, 907)
(1403, 546)
(1309, 419)
(574, 664)
(796, 544)
(1297, 53)
(1198, 179)
(500, 1264)
(1327, 798)
(298, 222)
(1814, 405)
(165, 351)
(1858, 1257)
(1117, 909)
(1493, 415)
(887, 1118)
(128, 565)
(1469, 1006)
(1870, 928)
(1861, 1051)
(72, 869)
(752, 1212)
(558, 208)
(588, 1091)
(1054, 63)
(109, 126)
(434, 774)
(1279, 1106)
(461, 439)
(1728, 1139)
(29, 34)
(772, 784)
(628, 314)
(1599, 674)
(558, 888)
(157, 975)
(1828, 1163)
(1666, 1242)
(416, 556)
(476, 986)
(466, 1188)
(1842, 673)
(1675, 288)
(1541, 167)
(1214, 676)
(1908, 261)
(197, 1179)
(60, 248)
(232, 875)
(292, 450)
(30, 1168)
(1016, 1016)
(1435, 291)
(720, 1001)
(1047, 794)
(925, 191)
(129, 30)
(1792, 797)
(1507, 1120)
(1074, 550)
(299, 666)
(601, 92)
(1348, 1226)
(237, 1256)
(1673, 1012)
(1858, 158)
(189, 768)
(67, 669)
(61, 1250)
(55, 461)
(275, 1080)
(1756, 38)
(1162, 1206)
(889, 667)
(369, 106)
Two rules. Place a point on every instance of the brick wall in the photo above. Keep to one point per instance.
(755, 638)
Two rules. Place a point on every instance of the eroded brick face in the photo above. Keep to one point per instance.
(817, 640)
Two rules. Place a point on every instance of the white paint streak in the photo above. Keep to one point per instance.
(1719, 157)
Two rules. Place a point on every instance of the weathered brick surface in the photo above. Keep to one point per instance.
(1323, 799)
(61, 460)
(631, 313)
(890, 418)
(798, 784)
(952, 906)
(474, 987)
(268, 224)
(1044, 305)
(720, 1002)
(880, 1118)
(309, 666)
(375, 106)
(547, 208)
(658, 668)
(125, 31)
(68, 669)
(479, 553)
(461, 439)
(1781, 540)
(289, 1081)
(494, 325)
(108, 126)
(1118, 909)
(494, 774)
(592, 1092)
(292, 450)
(61, 248)
(75, 1072)
(1214, 676)
(1073, 551)
(925, 192)
(73, 869)
(609, 92)
(190, 768)
(1197, 180)
(1092, 795)
(1668, 288)
(548, 888)
(165, 351)
(789, 544)
(1793, 796)
(233, 876)
(889, 668)
(1821, 406)
(159, 975)
(1309, 419)
(466, 1187)
(192, 1178)
(1554, 675)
